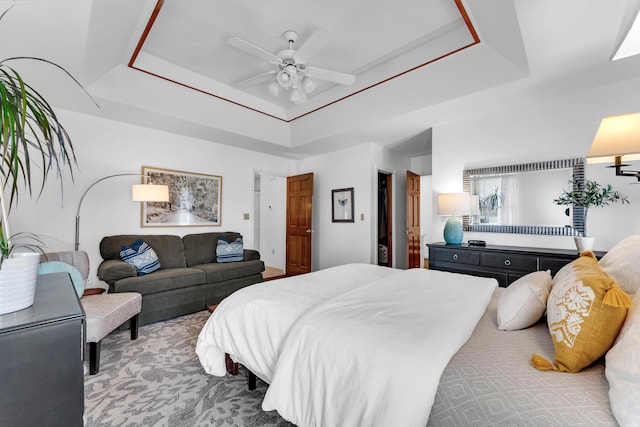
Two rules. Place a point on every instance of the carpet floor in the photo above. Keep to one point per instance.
(157, 380)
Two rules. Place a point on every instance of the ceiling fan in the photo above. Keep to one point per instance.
(291, 71)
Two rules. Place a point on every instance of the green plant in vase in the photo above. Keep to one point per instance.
(586, 195)
(33, 146)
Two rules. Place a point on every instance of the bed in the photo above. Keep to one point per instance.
(455, 368)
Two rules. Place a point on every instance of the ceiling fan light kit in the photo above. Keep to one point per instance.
(293, 74)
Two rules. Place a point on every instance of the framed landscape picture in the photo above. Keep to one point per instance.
(195, 199)
(342, 205)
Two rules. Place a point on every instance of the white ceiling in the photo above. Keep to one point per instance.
(184, 76)
(375, 40)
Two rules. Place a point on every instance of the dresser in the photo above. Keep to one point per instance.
(41, 353)
(504, 263)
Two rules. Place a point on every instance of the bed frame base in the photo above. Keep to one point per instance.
(232, 368)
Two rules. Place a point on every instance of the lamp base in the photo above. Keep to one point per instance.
(453, 231)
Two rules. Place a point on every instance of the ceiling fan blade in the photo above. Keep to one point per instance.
(317, 41)
(254, 50)
(260, 78)
(330, 75)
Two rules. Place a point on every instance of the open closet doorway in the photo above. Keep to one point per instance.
(385, 248)
(269, 212)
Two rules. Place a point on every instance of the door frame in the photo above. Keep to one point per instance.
(392, 207)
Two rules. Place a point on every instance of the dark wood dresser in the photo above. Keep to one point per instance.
(41, 353)
(504, 263)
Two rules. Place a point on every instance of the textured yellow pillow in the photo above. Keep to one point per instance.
(585, 312)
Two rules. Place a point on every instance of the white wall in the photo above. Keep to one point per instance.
(426, 216)
(339, 243)
(105, 147)
(558, 129)
(273, 204)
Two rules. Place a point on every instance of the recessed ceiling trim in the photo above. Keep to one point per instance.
(463, 13)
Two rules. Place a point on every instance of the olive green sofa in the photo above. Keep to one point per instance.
(189, 278)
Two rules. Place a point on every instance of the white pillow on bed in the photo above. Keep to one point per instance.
(524, 301)
(622, 368)
(622, 264)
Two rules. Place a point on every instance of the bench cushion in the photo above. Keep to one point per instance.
(104, 313)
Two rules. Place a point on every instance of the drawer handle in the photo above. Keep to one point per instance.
(507, 262)
(455, 256)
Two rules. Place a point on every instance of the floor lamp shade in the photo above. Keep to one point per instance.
(149, 193)
(454, 205)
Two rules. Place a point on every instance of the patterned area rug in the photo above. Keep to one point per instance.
(157, 380)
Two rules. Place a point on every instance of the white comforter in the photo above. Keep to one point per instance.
(251, 323)
(352, 345)
(373, 356)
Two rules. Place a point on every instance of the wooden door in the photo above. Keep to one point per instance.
(299, 231)
(413, 220)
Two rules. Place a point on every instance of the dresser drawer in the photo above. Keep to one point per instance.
(553, 264)
(457, 256)
(510, 261)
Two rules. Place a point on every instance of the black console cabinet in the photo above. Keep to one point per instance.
(41, 352)
(504, 263)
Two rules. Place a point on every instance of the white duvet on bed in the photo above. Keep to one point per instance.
(373, 356)
(252, 323)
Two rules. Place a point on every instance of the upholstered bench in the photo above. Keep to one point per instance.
(104, 314)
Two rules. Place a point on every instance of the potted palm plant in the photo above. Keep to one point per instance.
(31, 139)
(585, 195)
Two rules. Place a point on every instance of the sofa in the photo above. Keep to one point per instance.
(189, 278)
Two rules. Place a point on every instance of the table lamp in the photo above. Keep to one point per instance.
(454, 205)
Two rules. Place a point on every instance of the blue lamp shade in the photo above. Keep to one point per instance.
(454, 205)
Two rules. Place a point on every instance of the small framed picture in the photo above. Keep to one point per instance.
(342, 205)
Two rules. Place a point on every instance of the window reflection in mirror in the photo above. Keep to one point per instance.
(519, 198)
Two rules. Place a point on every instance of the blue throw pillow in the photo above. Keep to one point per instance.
(229, 251)
(141, 256)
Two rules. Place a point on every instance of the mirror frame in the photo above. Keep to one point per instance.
(577, 229)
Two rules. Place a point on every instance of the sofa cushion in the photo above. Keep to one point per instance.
(161, 281)
(219, 272)
(170, 249)
(201, 248)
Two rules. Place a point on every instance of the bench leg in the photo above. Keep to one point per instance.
(251, 381)
(133, 323)
(94, 357)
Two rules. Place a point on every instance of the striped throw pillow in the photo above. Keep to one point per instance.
(229, 251)
(141, 256)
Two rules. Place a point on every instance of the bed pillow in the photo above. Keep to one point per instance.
(622, 263)
(229, 251)
(585, 312)
(524, 301)
(141, 256)
(622, 369)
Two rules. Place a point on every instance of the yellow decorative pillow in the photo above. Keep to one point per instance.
(585, 311)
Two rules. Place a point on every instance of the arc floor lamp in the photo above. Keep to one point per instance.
(146, 192)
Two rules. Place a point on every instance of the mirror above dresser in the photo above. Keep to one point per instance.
(519, 198)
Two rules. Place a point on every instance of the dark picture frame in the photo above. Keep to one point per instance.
(195, 199)
(342, 205)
